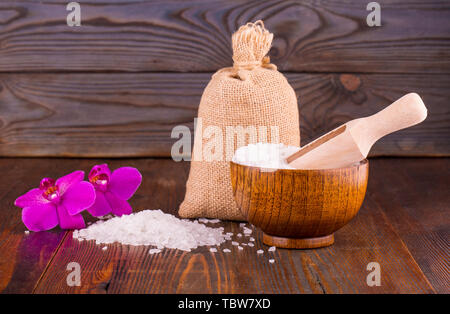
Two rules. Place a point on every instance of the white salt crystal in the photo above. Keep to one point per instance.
(272, 249)
(252, 239)
(260, 251)
(239, 235)
(104, 248)
(27, 232)
(211, 221)
(271, 261)
(229, 233)
(264, 155)
(213, 249)
(152, 227)
(244, 244)
(242, 224)
(234, 243)
(250, 244)
(227, 250)
(247, 231)
(154, 251)
(240, 247)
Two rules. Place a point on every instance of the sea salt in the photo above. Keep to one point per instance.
(265, 155)
(234, 243)
(227, 250)
(155, 228)
(272, 249)
(239, 235)
(213, 250)
(104, 248)
(211, 221)
(252, 239)
(247, 231)
(271, 261)
(251, 244)
(27, 232)
(240, 247)
(260, 251)
(154, 251)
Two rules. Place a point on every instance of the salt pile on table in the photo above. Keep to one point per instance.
(265, 155)
(152, 227)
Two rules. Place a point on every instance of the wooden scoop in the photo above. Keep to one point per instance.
(351, 142)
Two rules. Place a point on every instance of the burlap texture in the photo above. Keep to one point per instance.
(251, 93)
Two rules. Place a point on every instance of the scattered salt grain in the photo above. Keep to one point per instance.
(239, 235)
(211, 221)
(153, 251)
(152, 227)
(104, 248)
(241, 225)
(234, 243)
(247, 231)
(260, 251)
(213, 250)
(272, 249)
(240, 247)
(251, 244)
(271, 261)
(27, 232)
(244, 244)
(229, 233)
(252, 239)
(227, 250)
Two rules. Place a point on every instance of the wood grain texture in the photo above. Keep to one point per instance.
(422, 218)
(299, 208)
(372, 236)
(194, 36)
(116, 115)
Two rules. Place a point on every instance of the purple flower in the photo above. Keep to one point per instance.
(113, 189)
(57, 202)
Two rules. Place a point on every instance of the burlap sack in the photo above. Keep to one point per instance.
(253, 94)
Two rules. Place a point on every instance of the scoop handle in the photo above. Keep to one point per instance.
(407, 111)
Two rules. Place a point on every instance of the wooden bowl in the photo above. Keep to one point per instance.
(299, 208)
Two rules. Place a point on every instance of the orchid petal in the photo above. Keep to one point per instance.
(124, 182)
(64, 183)
(78, 197)
(119, 206)
(67, 221)
(40, 217)
(32, 198)
(101, 206)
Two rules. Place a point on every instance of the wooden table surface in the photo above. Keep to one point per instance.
(403, 225)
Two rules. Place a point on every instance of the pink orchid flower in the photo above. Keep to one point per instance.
(57, 202)
(113, 190)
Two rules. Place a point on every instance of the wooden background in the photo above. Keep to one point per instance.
(117, 85)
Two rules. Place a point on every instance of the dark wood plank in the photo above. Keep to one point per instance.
(194, 36)
(418, 209)
(341, 268)
(101, 115)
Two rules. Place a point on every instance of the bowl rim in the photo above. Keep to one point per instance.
(357, 164)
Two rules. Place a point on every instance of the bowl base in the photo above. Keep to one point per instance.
(297, 243)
